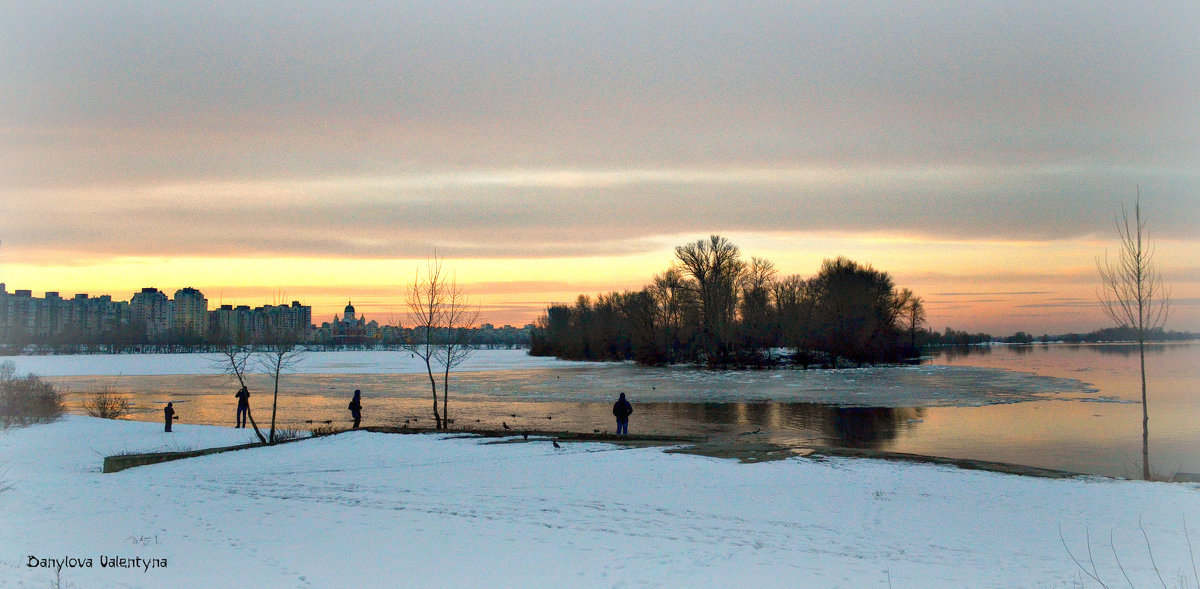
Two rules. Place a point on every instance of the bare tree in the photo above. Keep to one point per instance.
(458, 319)
(912, 313)
(757, 308)
(441, 317)
(426, 296)
(673, 299)
(716, 270)
(669, 292)
(795, 301)
(1133, 295)
(232, 357)
(275, 360)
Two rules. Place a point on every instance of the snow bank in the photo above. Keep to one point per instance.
(375, 510)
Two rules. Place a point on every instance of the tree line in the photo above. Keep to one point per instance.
(394, 338)
(713, 307)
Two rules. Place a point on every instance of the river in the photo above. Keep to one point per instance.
(1059, 406)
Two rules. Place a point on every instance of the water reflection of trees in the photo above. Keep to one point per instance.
(870, 427)
(854, 427)
(955, 352)
(1116, 349)
(1125, 350)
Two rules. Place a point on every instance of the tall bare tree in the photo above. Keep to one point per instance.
(672, 298)
(1133, 295)
(232, 358)
(758, 322)
(458, 319)
(441, 318)
(912, 314)
(424, 301)
(276, 359)
(716, 270)
(795, 301)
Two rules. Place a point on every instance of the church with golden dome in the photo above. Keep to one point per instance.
(349, 328)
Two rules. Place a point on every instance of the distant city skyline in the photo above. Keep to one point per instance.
(977, 152)
(196, 302)
(187, 320)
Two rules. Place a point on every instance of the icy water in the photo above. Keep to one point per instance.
(1054, 406)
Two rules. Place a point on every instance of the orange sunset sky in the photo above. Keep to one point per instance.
(977, 152)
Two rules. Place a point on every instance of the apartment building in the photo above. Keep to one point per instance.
(148, 317)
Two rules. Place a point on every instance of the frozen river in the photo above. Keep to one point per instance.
(1058, 406)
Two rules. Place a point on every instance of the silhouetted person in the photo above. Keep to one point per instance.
(356, 407)
(243, 397)
(168, 415)
(622, 410)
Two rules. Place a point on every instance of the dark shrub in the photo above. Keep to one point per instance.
(27, 399)
(108, 404)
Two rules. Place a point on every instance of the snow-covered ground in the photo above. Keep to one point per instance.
(376, 510)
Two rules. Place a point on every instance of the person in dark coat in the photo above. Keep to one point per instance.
(168, 415)
(622, 410)
(243, 397)
(356, 407)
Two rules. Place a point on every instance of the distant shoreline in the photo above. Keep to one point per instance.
(182, 350)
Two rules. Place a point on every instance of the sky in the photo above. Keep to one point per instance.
(322, 151)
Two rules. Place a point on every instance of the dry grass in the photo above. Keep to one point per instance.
(107, 403)
(286, 434)
(326, 430)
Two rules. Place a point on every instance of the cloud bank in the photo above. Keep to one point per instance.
(524, 129)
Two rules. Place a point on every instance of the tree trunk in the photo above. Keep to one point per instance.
(1145, 412)
(274, 405)
(437, 417)
(242, 382)
(445, 400)
(256, 432)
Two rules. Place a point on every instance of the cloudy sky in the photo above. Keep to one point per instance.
(977, 151)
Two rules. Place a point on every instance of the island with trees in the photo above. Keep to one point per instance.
(712, 307)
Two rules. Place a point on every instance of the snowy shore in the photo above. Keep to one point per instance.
(378, 510)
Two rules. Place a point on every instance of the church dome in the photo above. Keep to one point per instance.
(349, 308)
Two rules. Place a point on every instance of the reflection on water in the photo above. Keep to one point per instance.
(1062, 431)
(1101, 438)
(1125, 350)
(952, 353)
(785, 423)
(862, 427)
(959, 352)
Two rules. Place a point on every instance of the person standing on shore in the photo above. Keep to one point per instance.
(168, 416)
(356, 407)
(243, 397)
(622, 410)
